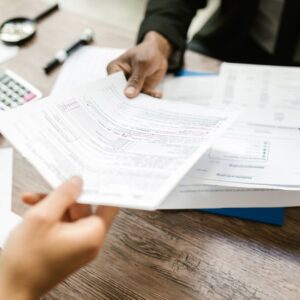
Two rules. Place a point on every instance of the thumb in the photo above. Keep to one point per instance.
(56, 204)
(135, 82)
(114, 67)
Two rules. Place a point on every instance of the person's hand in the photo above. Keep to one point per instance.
(144, 65)
(56, 238)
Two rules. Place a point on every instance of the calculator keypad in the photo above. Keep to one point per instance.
(13, 93)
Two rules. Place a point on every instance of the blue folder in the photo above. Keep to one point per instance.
(273, 216)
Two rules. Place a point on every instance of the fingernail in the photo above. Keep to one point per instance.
(76, 180)
(130, 91)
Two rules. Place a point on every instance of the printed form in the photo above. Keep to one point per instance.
(130, 153)
(254, 146)
(261, 149)
(258, 86)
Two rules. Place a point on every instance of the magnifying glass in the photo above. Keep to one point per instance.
(19, 30)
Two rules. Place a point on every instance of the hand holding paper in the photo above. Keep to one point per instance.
(51, 243)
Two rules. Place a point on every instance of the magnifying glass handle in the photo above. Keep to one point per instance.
(47, 12)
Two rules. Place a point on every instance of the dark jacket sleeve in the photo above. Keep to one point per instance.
(171, 18)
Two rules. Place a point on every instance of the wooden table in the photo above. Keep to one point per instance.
(159, 255)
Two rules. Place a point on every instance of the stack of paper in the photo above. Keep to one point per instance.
(256, 86)
(150, 154)
(130, 153)
(261, 149)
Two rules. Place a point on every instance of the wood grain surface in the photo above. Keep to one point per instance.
(158, 255)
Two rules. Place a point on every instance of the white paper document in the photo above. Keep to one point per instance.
(7, 52)
(86, 65)
(258, 86)
(261, 149)
(189, 196)
(190, 89)
(240, 148)
(130, 153)
(8, 219)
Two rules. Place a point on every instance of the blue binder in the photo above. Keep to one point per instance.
(273, 216)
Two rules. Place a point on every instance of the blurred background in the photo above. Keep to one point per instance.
(126, 13)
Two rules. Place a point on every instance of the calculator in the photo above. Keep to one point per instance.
(15, 91)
